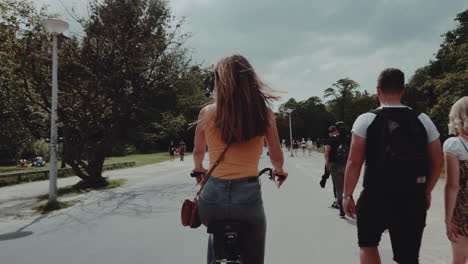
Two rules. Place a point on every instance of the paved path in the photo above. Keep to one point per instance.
(140, 222)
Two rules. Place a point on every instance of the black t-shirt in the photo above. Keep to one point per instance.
(334, 143)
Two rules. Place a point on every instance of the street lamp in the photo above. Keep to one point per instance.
(289, 111)
(54, 27)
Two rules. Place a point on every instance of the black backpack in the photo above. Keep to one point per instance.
(342, 152)
(396, 148)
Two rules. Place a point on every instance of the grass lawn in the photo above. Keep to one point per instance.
(12, 169)
(142, 159)
(139, 159)
(54, 206)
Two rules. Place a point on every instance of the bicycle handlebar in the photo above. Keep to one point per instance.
(268, 171)
(196, 174)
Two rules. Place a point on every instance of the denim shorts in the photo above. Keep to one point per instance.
(236, 200)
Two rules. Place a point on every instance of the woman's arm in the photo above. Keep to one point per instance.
(200, 142)
(276, 154)
(452, 184)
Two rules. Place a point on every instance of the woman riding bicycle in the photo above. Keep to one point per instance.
(239, 117)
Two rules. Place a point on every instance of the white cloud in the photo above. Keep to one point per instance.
(304, 46)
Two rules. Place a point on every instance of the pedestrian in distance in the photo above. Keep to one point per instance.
(182, 149)
(233, 192)
(456, 184)
(309, 146)
(38, 162)
(336, 154)
(403, 156)
(22, 163)
(172, 150)
(303, 146)
(182, 154)
(295, 146)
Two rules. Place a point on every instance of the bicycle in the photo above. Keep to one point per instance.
(225, 235)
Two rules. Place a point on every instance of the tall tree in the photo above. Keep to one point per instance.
(20, 122)
(128, 82)
(342, 93)
(161, 118)
(435, 87)
(309, 118)
(131, 49)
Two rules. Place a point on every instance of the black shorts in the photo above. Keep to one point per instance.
(404, 216)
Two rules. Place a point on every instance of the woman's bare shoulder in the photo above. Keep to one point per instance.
(209, 107)
(206, 111)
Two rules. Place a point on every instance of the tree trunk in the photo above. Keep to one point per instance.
(91, 171)
(95, 166)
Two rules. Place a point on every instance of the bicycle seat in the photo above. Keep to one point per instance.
(225, 227)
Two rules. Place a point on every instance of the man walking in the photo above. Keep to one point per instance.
(326, 173)
(403, 157)
(335, 162)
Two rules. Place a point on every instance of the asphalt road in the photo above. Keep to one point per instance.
(140, 222)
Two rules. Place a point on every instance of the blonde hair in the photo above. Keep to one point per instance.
(458, 117)
(241, 100)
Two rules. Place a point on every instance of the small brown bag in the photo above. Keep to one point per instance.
(189, 212)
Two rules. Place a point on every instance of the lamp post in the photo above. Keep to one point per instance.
(289, 111)
(54, 27)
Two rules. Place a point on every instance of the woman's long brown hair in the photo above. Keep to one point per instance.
(241, 100)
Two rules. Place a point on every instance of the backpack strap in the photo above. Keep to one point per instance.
(463, 143)
(416, 113)
(376, 111)
(379, 111)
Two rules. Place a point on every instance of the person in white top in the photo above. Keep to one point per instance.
(403, 157)
(456, 185)
(303, 146)
(310, 144)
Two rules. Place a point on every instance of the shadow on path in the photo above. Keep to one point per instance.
(20, 233)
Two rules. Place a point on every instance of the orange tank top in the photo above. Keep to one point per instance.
(240, 161)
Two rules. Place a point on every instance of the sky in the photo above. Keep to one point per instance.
(302, 47)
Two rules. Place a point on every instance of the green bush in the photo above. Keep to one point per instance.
(120, 150)
(41, 148)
